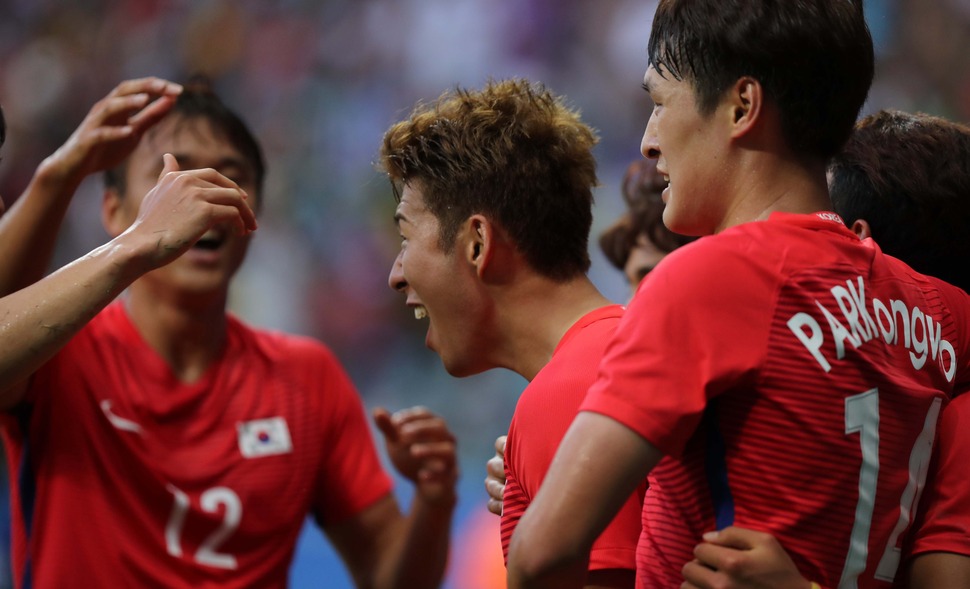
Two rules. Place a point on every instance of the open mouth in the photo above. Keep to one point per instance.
(211, 241)
(420, 312)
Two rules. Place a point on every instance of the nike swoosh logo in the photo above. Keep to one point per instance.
(119, 422)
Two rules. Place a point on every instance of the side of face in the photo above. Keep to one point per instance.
(644, 257)
(690, 149)
(442, 287)
(214, 259)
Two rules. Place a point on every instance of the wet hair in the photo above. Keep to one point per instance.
(642, 191)
(908, 176)
(199, 101)
(512, 151)
(814, 59)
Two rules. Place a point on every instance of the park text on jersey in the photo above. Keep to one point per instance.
(920, 332)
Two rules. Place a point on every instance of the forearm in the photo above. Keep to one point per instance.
(36, 322)
(420, 553)
(579, 496)
(28, 231)
(938, 570)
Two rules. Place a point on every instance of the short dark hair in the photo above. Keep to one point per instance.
(512, 151)
(643, 194)
(908, 176)
(814, 59)
(199, 101)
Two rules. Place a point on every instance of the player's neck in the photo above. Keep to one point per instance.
(534, 316)
(189, 338)
(769, 183)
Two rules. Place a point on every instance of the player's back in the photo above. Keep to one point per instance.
(812, 372)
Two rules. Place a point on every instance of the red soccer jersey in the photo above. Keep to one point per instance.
(818, 367)
(125, 477)
(943, 522)
(544, 412)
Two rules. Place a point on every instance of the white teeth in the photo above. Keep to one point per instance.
(667, 179)
(420, 312)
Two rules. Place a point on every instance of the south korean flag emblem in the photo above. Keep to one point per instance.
(264, 437)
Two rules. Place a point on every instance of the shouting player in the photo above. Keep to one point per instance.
(494, 190)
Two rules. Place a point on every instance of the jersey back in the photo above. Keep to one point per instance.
(795, 389)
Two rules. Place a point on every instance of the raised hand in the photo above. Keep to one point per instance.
(422, 449)
(182, 206)
(112, 128)
(495, 477)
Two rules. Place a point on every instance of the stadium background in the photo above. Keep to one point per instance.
(319, 81)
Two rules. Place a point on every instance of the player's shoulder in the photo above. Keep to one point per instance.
(715, 259)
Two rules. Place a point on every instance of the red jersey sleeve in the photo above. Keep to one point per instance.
(697, 325)
(352, 478)
(514, 503)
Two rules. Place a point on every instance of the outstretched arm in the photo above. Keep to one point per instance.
(385, 549)
(108, 134)
(39, 319)
(598, 465)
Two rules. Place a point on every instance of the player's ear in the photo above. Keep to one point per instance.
(478, 236)
(861, 228)
(113, 212)
(746, 103)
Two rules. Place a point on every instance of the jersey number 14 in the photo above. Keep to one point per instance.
(862, 417)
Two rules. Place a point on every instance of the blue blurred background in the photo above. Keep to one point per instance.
(319, 81)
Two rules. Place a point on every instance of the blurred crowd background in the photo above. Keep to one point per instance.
(319, 81)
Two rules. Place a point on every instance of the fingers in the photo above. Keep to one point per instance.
(500, 445)
(419, 425)
(169, 164)
(718, 557)
(231, 203)
(698, 576)
(383, 421)
(152, 113)
(496, 492)
(735, 537)
(150, 85)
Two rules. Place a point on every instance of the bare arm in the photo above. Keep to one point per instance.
(384, 549)
(598, 465)
(939, 570)
(39, 319)
(495, 487)
(108, 134)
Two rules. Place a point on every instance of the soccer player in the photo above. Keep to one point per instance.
(494, 190)
(903, 179)
(41, 317)
(168, 444)
(779, 373)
